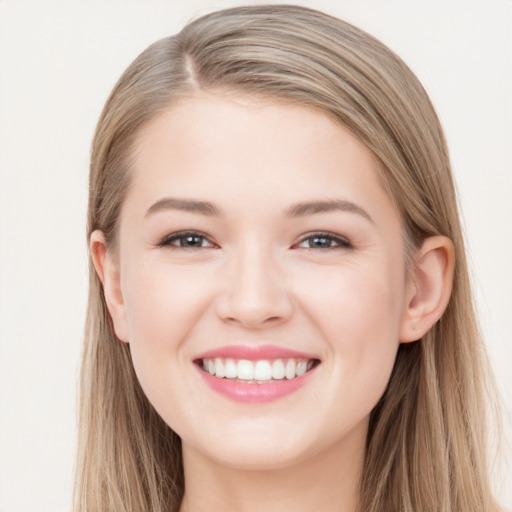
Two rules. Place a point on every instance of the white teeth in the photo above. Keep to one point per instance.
(301, 368)
(289, 370)
(231, 369)
(220, 371)
(257, 371)
(245, 370)
(278, 369)
(262, 370)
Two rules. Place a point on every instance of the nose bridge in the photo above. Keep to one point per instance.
(256, 292)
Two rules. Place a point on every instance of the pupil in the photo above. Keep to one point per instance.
(192, 241)
(321, 242)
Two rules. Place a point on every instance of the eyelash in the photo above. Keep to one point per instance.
(342, 242)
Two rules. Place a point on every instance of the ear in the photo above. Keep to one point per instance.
(107, 269)
(429, 287)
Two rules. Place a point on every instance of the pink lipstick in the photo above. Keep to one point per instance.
(253, 353)
(255, 373)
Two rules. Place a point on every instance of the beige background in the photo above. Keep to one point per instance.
(58, 62)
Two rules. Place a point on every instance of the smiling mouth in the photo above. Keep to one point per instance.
(261, 371)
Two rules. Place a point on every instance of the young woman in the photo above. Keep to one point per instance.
(280, 315)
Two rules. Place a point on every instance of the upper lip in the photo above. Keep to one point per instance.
(254, 353)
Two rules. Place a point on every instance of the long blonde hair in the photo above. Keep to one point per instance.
(426, 445)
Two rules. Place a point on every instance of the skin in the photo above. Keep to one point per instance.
(257, 279)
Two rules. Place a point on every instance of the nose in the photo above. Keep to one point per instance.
(255, 293)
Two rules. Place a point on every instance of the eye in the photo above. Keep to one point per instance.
(324, 241)
(196, 240)
(185, 240)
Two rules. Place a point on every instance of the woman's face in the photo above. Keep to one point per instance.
(259, 232)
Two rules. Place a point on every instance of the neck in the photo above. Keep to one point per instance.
(327, 481)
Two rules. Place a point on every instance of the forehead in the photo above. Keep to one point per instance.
(217, 145)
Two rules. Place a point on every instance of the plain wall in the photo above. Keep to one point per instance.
(58, 62)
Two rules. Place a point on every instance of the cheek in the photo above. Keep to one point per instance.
(162, 304)
(356, 300)
(359, 312)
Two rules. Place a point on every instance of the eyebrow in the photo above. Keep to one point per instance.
(186, 205)
(296, 210)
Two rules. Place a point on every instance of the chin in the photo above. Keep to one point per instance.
(256, 458)
(259, 446)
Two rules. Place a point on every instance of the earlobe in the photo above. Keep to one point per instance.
(430, 287)
(108, 272)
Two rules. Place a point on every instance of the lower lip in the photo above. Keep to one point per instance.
(254, 393)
